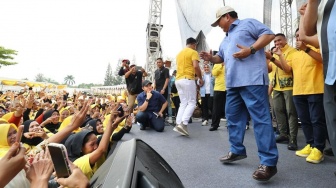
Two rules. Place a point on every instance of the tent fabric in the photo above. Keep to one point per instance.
(267, 13)
(23, 83)
(202, 44)
(61, 86)
(193, 20)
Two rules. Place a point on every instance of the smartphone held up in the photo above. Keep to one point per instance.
(59, 158)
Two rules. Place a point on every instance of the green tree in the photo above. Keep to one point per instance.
(5, 55)
(108, 80)
(69, 80)
(88, 86)
(117, 80)
(49, 80)
(39, 77)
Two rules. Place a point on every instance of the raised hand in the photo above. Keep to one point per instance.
(40, 169)
(206, 55)
(268, 54)
(277, 51)
(149, 95)
(302, 9)
(12, 163)
(80, 116)
(76, 179)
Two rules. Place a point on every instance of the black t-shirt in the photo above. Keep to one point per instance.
(134, 82)
(160, 78)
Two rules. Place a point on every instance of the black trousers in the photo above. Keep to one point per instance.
(165, 95)
(206, 106)
(218, 110)
(176, 101)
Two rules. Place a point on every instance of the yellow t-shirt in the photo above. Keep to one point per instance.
(184, 62)
(281, 77)
(308, 73)
(120, 125)
(218, 72)
(67, 122)
(83, 163)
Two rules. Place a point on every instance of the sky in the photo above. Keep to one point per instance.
(80, 37)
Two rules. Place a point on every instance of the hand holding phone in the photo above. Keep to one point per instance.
(76, 179)
(60, 159)
(157, 115)
(120, 110)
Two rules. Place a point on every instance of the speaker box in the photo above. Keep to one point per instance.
(135, 164)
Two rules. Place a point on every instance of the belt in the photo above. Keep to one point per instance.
(187, 78)
(184, 77)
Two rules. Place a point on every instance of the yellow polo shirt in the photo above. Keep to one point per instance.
(280, 75)
(218, 72)
(184, 62)
(308, 73)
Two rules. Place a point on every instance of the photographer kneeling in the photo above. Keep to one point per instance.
(151, 104)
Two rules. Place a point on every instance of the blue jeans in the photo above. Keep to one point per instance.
(149, 119)
(254, 100)
(311, 113)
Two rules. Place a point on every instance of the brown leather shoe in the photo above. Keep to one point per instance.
(230, 157)
(264, 173)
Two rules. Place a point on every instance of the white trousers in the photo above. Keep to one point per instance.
(187, 92)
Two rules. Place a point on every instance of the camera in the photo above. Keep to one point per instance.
(138, 68)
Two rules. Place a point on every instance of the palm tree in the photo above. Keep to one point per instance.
(69, 80)
(39, 77)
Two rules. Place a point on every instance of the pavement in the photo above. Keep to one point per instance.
(195, 159)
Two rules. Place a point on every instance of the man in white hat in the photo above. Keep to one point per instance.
(242, 51)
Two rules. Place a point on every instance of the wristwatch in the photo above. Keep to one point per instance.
(147, 100)
(253, 51)
(307, 50)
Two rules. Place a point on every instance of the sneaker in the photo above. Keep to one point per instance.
(170, 120)
(205, 123)
(176, 130)
(315, 156)
(247, 127)
(305, 151)
(223, 119)
(182, 129)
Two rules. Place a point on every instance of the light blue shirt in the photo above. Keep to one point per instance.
(211, 84)
(327, 36)
(251, 70)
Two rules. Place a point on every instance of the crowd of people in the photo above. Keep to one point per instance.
(87, 126)
(236, 84)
